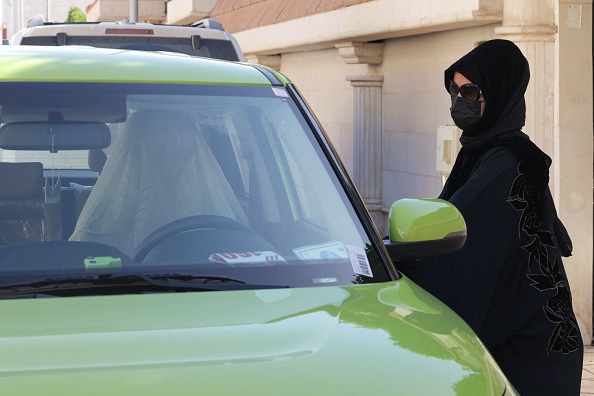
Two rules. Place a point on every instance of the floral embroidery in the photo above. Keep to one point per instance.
(543, 268)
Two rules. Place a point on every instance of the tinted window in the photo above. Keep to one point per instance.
(208, 48)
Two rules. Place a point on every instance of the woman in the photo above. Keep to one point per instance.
(508, 282)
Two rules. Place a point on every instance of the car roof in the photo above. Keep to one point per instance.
(88, 64)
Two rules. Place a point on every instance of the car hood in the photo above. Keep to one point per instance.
(360, 339)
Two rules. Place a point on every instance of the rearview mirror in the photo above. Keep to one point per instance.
(54, 136)
(423, 228)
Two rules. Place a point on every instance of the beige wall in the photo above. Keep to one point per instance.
(573, 148)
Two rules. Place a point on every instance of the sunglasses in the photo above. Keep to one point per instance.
(467, 91)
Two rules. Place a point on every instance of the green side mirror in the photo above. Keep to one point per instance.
(423, 228)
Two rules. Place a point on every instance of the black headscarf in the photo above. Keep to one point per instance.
(502, 72)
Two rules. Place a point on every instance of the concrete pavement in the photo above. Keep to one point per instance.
(588, 372)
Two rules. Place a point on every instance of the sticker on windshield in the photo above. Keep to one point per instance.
(246, 259)
(325, 251)
(281, 92)
(324, 280)
(359, 261)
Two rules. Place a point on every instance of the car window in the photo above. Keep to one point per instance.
(196, 179)
(209, 48)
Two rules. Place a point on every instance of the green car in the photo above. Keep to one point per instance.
(172, 225)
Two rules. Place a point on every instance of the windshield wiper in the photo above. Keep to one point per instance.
(112, 283)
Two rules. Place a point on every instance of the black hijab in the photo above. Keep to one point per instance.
(500, 69)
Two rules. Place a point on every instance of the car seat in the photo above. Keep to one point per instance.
(21, 202)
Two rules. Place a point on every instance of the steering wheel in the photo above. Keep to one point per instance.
(187, 224)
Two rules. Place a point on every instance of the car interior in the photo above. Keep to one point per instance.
(160, 180)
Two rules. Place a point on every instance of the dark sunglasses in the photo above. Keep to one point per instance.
(467, 91)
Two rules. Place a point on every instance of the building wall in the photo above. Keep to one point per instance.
(573, 156)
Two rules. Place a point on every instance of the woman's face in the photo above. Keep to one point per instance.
(460, 80)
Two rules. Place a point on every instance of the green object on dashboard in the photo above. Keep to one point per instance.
(99, 263)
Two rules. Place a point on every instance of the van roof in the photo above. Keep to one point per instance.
(123, 28)
(205, 37)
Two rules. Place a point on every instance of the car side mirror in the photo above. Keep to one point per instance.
(424, 228)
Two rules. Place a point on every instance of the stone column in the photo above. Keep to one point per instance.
(367, 90)
(551, 36)
(531, 25)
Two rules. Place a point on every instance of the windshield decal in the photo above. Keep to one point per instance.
(247, 258)
(280, 92)
(359, 261)
(324, 280)
(324, 251)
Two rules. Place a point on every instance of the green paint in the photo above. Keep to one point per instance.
(413, 220)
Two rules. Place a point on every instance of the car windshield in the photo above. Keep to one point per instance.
(171, 180)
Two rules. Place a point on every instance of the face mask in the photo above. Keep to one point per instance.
(465, 113)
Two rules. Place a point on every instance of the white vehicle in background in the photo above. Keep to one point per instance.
(205, 38)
